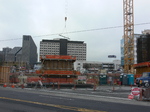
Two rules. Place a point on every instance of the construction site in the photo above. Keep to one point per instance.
(57, 70)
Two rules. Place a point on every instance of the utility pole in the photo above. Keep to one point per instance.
(128, 36)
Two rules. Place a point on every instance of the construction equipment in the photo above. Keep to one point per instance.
(128, 36)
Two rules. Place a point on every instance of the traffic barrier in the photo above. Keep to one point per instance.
(130, 96)
(5, 85)
(135, 93)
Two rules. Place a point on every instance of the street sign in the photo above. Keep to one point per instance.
(130, 96)
(135, 91)
(111, 56)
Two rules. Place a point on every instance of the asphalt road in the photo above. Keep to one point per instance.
(30, 100)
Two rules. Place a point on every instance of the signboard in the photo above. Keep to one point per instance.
(135, 91)
(82, 77)
(130, 96)
(111, 56)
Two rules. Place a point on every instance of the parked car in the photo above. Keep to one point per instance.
(144, 80)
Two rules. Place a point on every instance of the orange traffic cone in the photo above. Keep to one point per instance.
(5, 85)
(13, 86)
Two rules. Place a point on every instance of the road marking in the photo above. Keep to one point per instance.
(97, 96)
(53, 105)
(48, 96)
(87, 95)
(112, 92)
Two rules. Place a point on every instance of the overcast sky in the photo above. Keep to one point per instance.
(46, 17)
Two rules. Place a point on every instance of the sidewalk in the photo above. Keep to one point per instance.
(114, 88)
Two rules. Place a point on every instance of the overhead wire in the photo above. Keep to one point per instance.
(77, 31)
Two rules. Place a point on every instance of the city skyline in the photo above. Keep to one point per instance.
(96, 20)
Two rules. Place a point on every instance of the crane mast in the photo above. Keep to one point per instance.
(128, 36)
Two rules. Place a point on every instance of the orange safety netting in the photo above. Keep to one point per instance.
(48, 80)
(57, 72)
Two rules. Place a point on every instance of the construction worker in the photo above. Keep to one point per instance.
(41, 84)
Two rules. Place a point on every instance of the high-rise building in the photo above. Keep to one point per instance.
(143, 48)
(63, 47)
(25, 54)
(29, 50)
(138, 40)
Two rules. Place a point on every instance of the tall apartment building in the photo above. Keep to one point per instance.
(63, 47)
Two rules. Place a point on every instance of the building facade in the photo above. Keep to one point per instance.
(63, 47)
(29, 50)
(143, 48)
(14, 55)
(3, 53)
(135, 49)
(97, 67)
(27, 54)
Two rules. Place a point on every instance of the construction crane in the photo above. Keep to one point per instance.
(128, 36)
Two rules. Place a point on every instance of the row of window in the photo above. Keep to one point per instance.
(50, 43)
(41, 47)
(76, 51)
(48, 51)
(49, 48)
(80, 54)
(73, 50)
(76, 44)
(77, 54)
(54, 53)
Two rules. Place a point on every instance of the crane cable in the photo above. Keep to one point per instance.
(66, 10)
(65, 27)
